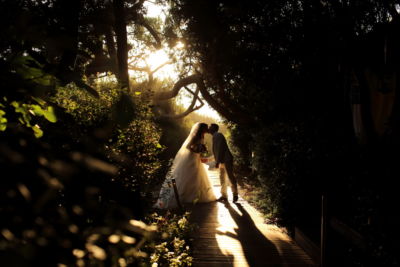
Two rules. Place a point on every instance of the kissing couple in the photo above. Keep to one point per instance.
(190, 174)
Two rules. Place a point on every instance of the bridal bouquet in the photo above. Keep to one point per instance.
(204, 154)
(199, 148)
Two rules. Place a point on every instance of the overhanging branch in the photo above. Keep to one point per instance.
(194, 94)
(177, 87)
(190, 109)
(142, 21)
(144, 69)
(228, 113)
(162, 65)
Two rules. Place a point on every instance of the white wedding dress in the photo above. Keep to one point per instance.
(192, 181)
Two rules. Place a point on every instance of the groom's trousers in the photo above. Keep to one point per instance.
(227, 169)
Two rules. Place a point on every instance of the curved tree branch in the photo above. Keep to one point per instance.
(162, 65)
(194, 94)
(230, 113)
(190, 109)
(135, 57)
(145, 69)
(142, 21)
(177, 87)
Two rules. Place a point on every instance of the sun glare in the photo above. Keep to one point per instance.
(160, 62)
(156, 59)
(179, 45)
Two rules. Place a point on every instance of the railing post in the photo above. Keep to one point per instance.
(176, 194)
(324, 221)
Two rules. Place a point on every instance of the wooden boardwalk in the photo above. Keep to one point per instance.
(235, 234)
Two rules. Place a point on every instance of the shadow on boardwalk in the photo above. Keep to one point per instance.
(231, 235)
(207, 251)
(253, 242)
(236, 235)
(228, 235)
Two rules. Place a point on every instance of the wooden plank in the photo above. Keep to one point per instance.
(236, 235)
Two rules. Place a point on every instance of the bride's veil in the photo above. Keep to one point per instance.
(189, 139)
(184, 151)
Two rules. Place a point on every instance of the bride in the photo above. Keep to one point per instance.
(190, 174)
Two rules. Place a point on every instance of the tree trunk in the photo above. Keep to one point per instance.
(122, 44)
(71, 23)
(110, 43)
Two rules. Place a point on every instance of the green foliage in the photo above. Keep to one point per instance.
(127, 125)
(174, 131)
(287, 65)
(59, 205)
(84, 108)
(31, 70)
(69, 198)
(283, 65)
(22, 103)
(140, 142)
(26, 115)
(27, 110)
(3, 119)
(103, 171)
(239, 144)
(171, 247)
(174, 134)
(280, 156)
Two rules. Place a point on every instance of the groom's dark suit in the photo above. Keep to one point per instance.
(224, 160)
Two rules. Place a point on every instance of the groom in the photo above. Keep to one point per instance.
(224, 161)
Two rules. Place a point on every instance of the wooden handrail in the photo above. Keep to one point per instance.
(351, 235)
(339, 227)
(319, 252)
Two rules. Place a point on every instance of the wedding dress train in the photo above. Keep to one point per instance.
(192, 181)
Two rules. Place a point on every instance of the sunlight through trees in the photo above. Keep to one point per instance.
(98, 95)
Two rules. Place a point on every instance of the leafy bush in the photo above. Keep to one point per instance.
(134, 145)
(279, 158)
(171, 247)
(69, 197)
(56, 204)
(24, 84)
(240, 139)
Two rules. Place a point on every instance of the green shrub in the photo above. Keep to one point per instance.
(69, 196)
(135, 145)
(170, 248)
(24, 86)
(280, 157)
